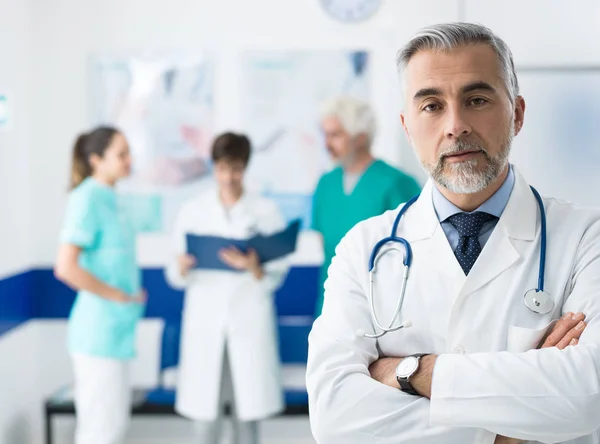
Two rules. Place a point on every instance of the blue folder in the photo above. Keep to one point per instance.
(206, 248)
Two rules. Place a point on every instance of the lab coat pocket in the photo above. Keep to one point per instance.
(521, 339)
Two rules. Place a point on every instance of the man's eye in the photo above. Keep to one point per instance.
(431, 107)
(478, 101)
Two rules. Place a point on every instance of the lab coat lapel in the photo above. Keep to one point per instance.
(517, 224)
(221, 220)
(230, 222)
(441, 256)
(424, 228)
(240, 219)
(420, 220)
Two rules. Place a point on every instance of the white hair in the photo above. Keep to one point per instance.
(447, 36)
(354, 115)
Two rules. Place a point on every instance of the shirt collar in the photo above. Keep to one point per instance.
(494, 205)
(102, 188)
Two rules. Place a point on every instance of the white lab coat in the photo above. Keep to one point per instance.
(225, 308)
(488, 378)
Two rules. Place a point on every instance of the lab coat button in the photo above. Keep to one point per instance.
(459, 350)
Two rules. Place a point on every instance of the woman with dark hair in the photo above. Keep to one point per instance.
(97, 258)
(229, 351)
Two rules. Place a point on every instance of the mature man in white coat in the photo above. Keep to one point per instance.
(476, 239)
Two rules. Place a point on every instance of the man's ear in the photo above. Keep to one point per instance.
(405, 127)
(519, 114)
(361, 140)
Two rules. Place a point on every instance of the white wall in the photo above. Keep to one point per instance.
(18, 403)
(17, 348)
(543, 32)
(68, 32)
(15, 184)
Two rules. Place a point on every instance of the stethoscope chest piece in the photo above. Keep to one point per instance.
(539, 302)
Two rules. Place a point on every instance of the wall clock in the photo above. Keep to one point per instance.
(351, 10)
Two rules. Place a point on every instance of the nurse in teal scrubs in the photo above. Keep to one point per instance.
(360, 186)
(97, 258)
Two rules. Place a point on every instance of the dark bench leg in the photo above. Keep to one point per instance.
(48, 427)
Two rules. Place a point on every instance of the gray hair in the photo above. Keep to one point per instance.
(354, 115)
(448, 36)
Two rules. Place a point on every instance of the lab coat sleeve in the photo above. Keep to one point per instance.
(546, 395)
(275, 271)
(346, 405)
(178, 247)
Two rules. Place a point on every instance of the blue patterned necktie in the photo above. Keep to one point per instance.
(469, 226)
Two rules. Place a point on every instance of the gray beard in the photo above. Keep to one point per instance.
(468, 177)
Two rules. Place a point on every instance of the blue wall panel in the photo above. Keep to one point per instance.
(38, 294)
(15, 300)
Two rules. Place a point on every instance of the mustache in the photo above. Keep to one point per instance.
(462, 147)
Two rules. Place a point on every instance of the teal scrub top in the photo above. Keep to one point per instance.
(94, 222)
(380, 188)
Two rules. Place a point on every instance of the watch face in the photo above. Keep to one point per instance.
(407, 367)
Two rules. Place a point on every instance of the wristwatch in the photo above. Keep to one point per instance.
(408, 367)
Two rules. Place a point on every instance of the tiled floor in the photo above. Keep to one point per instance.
(150, 430)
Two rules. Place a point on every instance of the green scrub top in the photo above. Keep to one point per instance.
(380, 188)
(105, 234)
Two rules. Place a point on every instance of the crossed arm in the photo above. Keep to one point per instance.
(566, 332)
(468, 398)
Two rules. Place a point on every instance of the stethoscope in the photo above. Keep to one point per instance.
(537, 300)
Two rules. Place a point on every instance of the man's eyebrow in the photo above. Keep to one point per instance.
(424, 92)
(475, 86)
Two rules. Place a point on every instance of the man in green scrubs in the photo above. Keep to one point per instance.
(360, 186)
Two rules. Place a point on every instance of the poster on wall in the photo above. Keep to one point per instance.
(164, 106)
(558, 148)
(282, 93)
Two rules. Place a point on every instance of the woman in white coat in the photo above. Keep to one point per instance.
(229, 337)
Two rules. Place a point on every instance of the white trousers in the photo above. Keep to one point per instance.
(244, 432)
(102, 399)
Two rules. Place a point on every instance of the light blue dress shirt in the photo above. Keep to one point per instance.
(494, 205)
